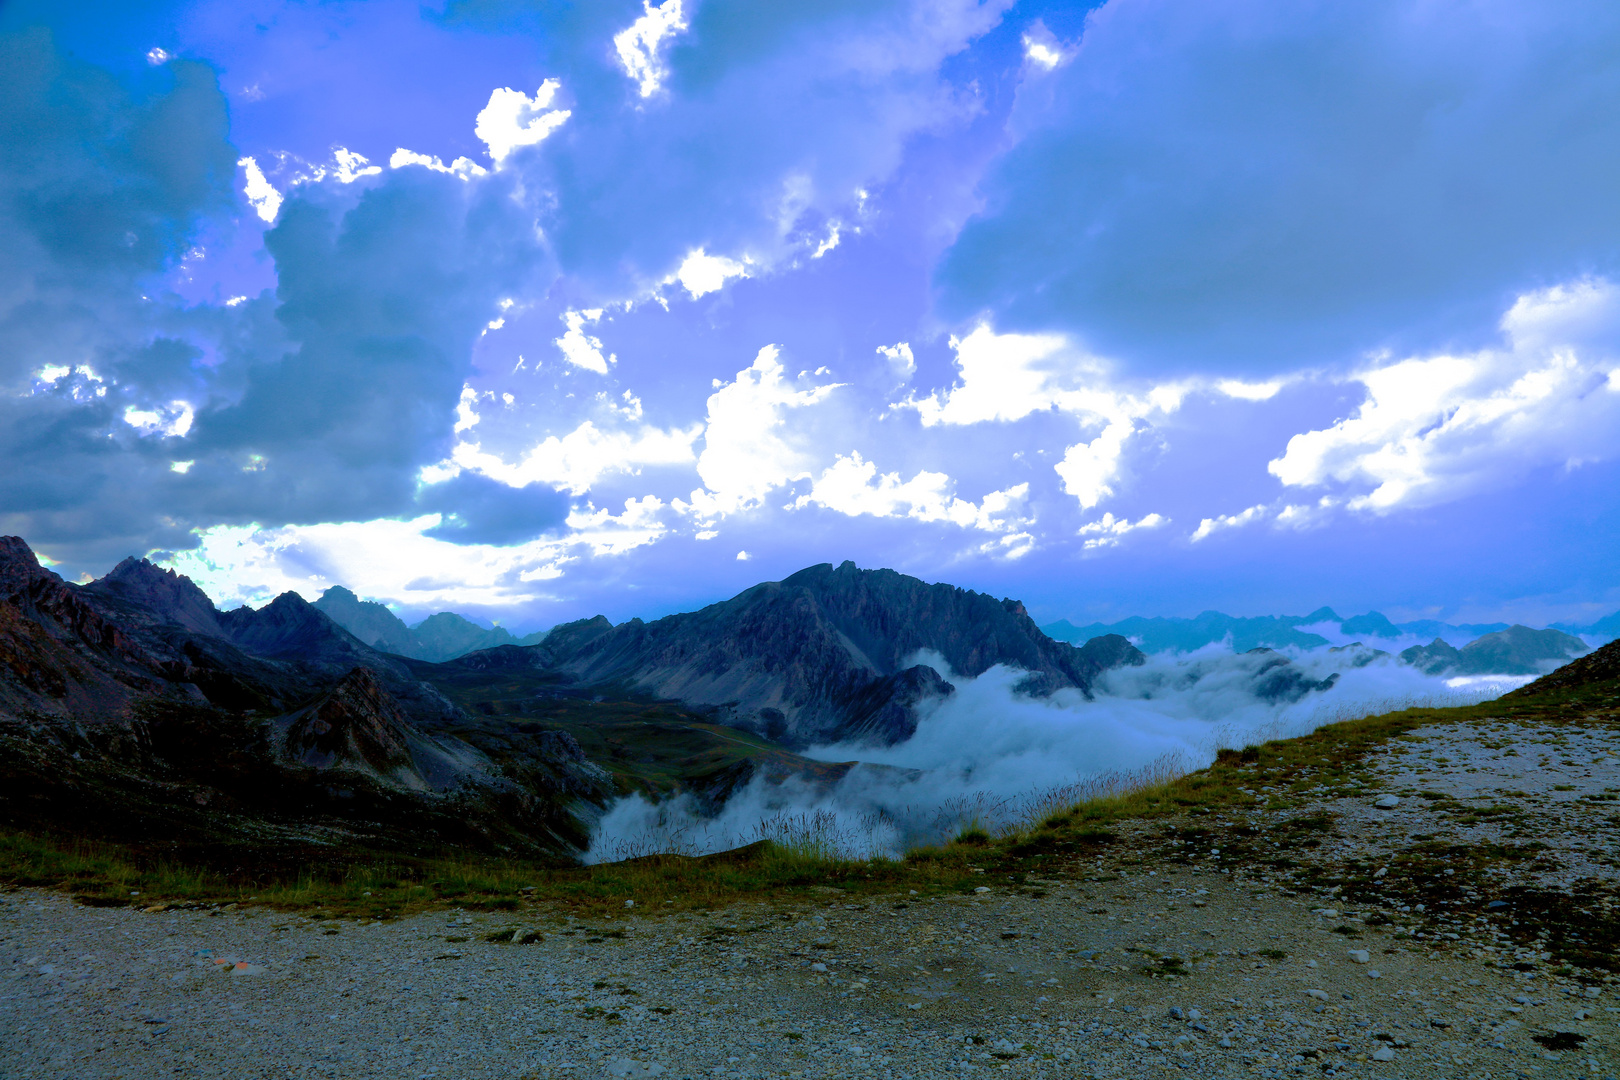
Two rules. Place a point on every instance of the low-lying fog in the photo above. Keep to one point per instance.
(991, 755)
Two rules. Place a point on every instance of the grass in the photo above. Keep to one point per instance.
(1054, 829)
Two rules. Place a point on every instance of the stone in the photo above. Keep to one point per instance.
(1374, 974)
(1360, 956)
(1384, 1053)
(982, 889)
(818, 967)
(1387, 802)
(1319, 995)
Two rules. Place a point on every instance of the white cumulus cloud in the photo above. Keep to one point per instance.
(578, 347)
(513, 119)
(852, 486)
(701, 273)
(1107, 530)
(1007, 377)
(1229, 521)
(1435, 428)
(640, 43)
(261, 194)
(464, 167)
(578, 460)
(747, 449)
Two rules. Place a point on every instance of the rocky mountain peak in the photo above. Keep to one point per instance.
(19, 566)
(172, 596)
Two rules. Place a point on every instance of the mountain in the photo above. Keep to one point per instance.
(826, 655)
(132, 707)
(1604, 629)
(437, 638)
(1518, 650)
(369, 621)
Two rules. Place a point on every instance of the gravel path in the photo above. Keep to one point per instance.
(1115, 971)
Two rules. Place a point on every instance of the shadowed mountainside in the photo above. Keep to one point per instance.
(131, 706)
(1596, 670)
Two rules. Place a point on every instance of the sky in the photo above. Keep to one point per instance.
(538, 310)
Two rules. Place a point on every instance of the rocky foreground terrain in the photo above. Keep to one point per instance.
(1469, 931)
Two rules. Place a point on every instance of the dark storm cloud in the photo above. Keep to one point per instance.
(478, 510)
(320, 403)
(1263, 184)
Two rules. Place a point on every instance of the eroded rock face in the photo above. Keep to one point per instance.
(823, 656)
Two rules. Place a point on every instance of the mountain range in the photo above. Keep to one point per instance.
(1282, 631)
(132, 706)
(440, 637)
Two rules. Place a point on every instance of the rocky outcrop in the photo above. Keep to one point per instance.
(1598, 668)
(1276, 679)
(826, 655)
(358, 728)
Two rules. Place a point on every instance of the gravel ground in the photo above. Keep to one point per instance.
(1107, 969)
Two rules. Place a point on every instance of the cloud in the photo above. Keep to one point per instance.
(1008, 377)
(513, 119)
(579, 348)
(577, 461)
(901, 361)
(1229, 521)
(747, 449)
(1263, 185)
(1435, 428)
(639, 44)
(385, 558)
(261, 194)
(701, 273)
(464, 167)
(1107, 530)
(749, 132)
(475, 509)
(852, 486)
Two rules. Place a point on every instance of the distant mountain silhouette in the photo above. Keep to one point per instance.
(437, 638)
(1155, 635)
(826, 655)
(1184, 635)
(1518, 650)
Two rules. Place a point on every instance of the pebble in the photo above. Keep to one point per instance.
(1360, 956)
(1387, 802)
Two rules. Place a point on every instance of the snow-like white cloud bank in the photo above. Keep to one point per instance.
(991, 754)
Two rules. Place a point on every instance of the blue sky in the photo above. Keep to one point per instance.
(538, 310)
